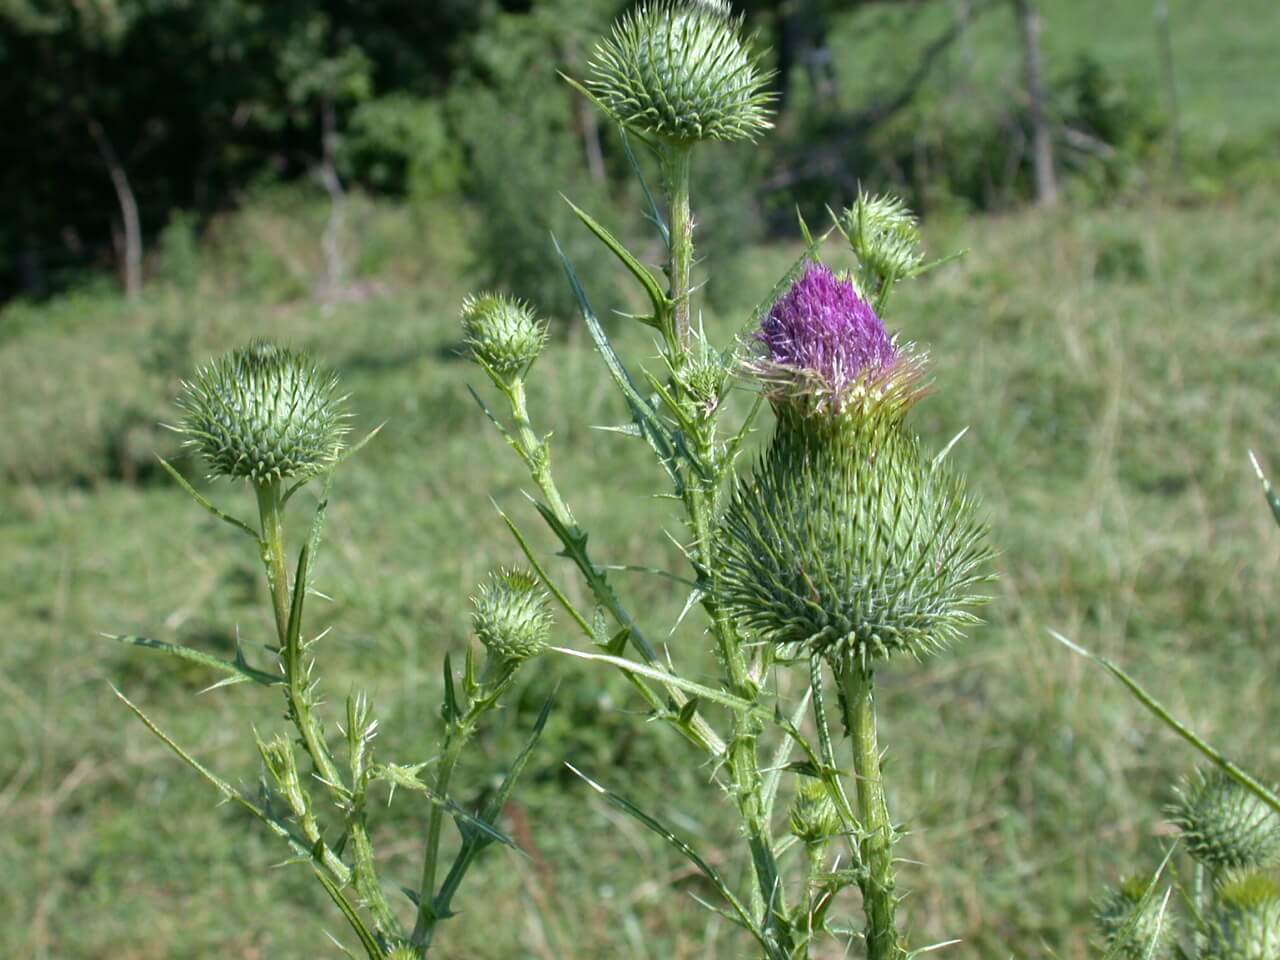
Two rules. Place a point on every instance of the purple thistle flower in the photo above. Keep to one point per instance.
(821, 327)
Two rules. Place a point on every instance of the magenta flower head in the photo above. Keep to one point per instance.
(826, 350)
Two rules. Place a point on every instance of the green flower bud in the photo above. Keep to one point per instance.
(503, 334)
(813, 816)
(884, 236)
(1129, 929)
(511, 616)
(404, 951)
(1224, 825)
(1244, 922)
(681, 71)
(264, 413)
(846, 542)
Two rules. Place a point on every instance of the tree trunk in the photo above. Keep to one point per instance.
(1164, 40)
(131, 223)
(1041, 135)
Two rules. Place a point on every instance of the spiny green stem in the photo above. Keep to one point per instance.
(678, 167)
(878, 903)
(533, 450)
(455, 739)
(741, 759)
(271, 514)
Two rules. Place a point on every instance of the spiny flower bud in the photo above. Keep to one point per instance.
(264, 413)
(1244, 923)
(844, 540)
(503, 334)
(681, 71)
(1128, 928)
(1224, 825)
(884, 237)
(813, 816)
(404, 951)
(827, 351)
(511, 617)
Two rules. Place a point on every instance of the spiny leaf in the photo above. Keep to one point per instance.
(661, 305)
(204, 502)
(238, 670)
(646, 418)
(1186, 733)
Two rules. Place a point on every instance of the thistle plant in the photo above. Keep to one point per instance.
(843, 544)
(1227, 906)
(266, 415)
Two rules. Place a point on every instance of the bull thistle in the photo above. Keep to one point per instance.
(267, 415)
(844, 545)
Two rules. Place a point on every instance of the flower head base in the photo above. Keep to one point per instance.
(503, 334)
(846, 543)
(681, 71)
(827, 351)
(264, 413)
(1224, 825)
(1131, 925)
(1244, 923)
(511, 616)
(813, 816)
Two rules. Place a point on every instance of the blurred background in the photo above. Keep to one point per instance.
(182, 175)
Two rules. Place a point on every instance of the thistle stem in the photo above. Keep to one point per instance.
(424, 924)
(271, 515)
(879, 904)
(678, 167)
(700, 496)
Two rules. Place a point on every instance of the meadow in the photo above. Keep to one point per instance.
(1113, 363)
(1113, 368)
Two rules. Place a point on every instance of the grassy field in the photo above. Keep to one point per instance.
(1113, 369)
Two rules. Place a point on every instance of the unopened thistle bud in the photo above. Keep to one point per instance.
(1224, 825)
(264, 413)
(813, 816)
(884, 237)
(1244, 922)
(680, 70)
(1128, 927)
(845, 540)
(511, 616)
(404, 951)
(504, 335)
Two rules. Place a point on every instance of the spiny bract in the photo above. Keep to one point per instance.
(1244, 923)
(844, 542)
(264, 413)
(1224, 825)
(680, 70)
(511, 617)
(1128, 927)
(813, 817)
(503, 334)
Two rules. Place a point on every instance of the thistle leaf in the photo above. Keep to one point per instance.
(204, 502)
(1154, 706)
(661, 305)
(629, 808)
(238, 671)
(654, 430)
